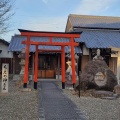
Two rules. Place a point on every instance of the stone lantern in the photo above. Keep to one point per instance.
(22, 64)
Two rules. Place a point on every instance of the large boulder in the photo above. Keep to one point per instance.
(97, 75)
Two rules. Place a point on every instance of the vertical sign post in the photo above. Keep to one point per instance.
(79, 81)
(5, 73)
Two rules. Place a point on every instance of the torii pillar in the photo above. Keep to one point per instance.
(73, 62)
(26, 62)
(63, 66)
(36, 68)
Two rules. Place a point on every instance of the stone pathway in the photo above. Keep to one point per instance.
(54, 105)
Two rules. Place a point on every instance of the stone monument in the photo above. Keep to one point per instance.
(98, 57)
(97, 75)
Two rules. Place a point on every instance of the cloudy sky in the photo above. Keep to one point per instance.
(51, 15)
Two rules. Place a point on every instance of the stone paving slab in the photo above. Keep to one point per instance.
(54, 105)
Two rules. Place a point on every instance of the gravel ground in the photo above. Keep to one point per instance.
(96, 108)
(17, 105)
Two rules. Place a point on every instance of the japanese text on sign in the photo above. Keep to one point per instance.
(5, 71)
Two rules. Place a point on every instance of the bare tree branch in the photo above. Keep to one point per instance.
(6, 7)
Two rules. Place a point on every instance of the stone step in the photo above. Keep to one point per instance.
(99, 94)
(109, 98)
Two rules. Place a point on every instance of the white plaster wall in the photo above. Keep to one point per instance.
(118, 69)
(85, 50)
(5, 53)
(118, 62)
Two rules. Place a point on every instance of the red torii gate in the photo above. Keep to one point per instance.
(51, 35)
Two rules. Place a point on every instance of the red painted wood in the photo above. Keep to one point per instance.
(53, 43)
(50, 34)
(73, 62)
(63, 64)
(41, 50)
(36, 65)
(50, 39)
(27, 60)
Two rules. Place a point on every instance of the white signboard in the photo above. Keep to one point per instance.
(5, 73)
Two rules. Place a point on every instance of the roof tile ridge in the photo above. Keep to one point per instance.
(94, 16)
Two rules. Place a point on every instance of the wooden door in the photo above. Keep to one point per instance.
(46, 67)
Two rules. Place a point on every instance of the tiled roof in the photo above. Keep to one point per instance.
(94, 21)
(46, 39)
(5, 42)
(100, 38)
(15, 44)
